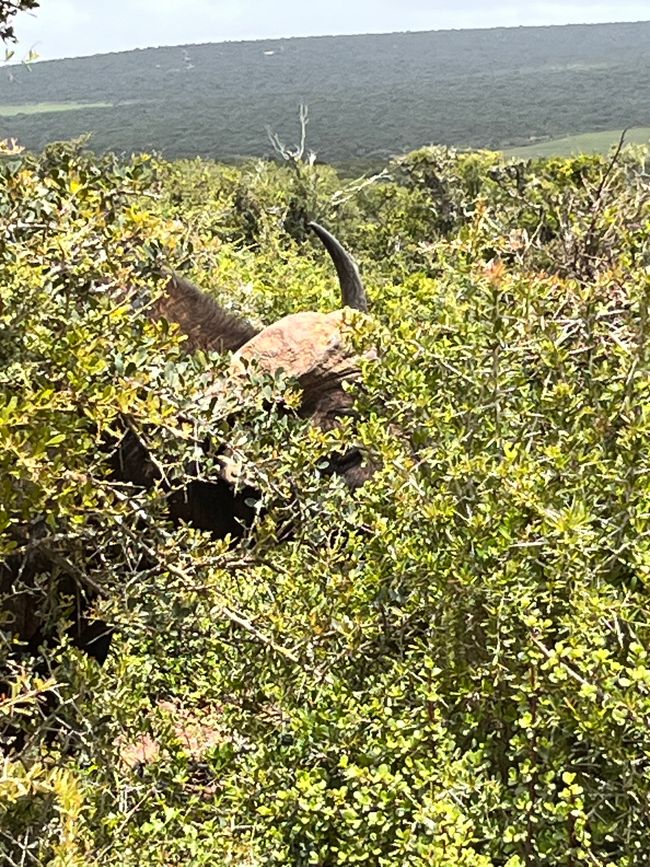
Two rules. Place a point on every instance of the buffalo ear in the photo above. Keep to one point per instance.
(352, 292)
(201, 319)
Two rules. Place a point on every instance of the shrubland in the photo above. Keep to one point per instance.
(369, 95)
(448, 666)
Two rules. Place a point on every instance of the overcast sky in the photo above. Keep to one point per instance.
(68, 28)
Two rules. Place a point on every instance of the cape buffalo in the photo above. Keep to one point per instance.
(306, 345)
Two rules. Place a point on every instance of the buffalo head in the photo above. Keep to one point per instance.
(308, 346)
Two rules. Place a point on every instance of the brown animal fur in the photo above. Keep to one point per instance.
(206, 325)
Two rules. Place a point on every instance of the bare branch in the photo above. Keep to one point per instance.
(294, 155)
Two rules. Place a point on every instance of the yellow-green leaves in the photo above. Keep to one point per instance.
(447, 666)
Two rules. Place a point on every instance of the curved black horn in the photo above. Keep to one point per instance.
(352, 292)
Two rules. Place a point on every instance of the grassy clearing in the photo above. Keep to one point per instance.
(590, 142)
(44, 107)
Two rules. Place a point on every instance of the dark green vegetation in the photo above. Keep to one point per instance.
(449, 667)
(368, 96)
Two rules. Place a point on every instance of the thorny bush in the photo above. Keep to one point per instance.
(450, 666)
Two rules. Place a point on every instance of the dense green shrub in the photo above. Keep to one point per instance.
(450, 666)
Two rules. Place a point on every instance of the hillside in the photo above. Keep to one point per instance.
(368, 96)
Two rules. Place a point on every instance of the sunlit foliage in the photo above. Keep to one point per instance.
(447, 667)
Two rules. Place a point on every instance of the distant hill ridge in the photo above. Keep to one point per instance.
(369, 96)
